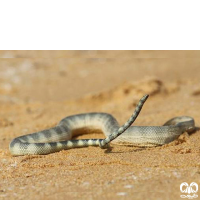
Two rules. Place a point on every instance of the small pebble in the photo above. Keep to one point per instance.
(121, 193)
(128, 186)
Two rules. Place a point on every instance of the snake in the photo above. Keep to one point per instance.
(61, 136)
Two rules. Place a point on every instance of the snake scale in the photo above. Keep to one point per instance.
(59, 137)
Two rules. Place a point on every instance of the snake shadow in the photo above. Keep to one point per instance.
(197, 128)
(109, 150)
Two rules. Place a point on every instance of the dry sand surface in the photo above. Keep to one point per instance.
(39, 88)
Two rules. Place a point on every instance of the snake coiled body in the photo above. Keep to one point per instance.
(58, 138)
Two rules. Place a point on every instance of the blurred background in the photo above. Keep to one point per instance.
(27, 76)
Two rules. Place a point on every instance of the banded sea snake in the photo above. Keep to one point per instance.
(59, 137)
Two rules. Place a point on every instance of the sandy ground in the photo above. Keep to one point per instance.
(39, 88)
